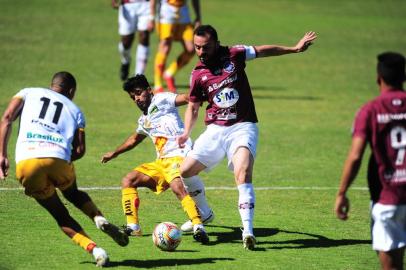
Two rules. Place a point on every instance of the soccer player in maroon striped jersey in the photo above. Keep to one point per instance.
(219, 78)
(381, 123)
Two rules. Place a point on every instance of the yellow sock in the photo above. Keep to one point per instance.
(84, 242)
(130, 202)
(189, 206)
(172, 69)
(159, 66)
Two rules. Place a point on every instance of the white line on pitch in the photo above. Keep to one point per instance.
(218, 188)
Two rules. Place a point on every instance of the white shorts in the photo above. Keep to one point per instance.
(133, 17)
(217, 141)
(389, 227)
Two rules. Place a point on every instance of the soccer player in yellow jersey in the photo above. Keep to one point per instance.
(51, 136)
(161, 122)
(174, 24)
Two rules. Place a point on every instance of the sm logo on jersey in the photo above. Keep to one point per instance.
(227, 97)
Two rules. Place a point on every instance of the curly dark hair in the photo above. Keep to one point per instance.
(138, 82)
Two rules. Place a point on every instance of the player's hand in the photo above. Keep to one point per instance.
(115, 3)
(306, 41)
(151, 25)
(107, 157)
(4, 166)
(181, 140)
(342, 207)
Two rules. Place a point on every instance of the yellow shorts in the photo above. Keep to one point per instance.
(40, 176)
(162, 170)
(175, 32)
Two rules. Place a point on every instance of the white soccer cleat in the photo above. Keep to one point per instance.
(249, 241)
(100, 256)
(188, 225)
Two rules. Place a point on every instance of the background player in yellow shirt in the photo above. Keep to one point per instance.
(174, 24)
(51, 136)
(161, 122)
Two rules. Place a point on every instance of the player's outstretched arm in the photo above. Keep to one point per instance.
(129, 144)
(191, 114)
(181, 99)
(276, 50)
(350, 171)
(10, 114)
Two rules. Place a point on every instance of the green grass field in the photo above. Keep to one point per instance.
(305, 104)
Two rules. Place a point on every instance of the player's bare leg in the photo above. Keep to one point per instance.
(73, 229)
(124, 48)
(392, 259)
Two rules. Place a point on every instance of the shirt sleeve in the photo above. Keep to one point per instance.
(81, 122)
(195, 92)
(21, 94)
(250, 53)
(360, 126)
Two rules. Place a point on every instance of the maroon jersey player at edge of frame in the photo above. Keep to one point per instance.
(219, 78)
(381, 123)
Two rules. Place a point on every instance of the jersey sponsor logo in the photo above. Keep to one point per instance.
(227, 97)
(216, 86)
(47, 137)
(229, 67)
(383, 118)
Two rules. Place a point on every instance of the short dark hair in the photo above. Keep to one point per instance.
(206, 29)
(64, 80)
(139, 81)
(391, 67)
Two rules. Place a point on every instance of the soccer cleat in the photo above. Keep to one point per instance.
(170, 82)
(200, 235)
(249, 242)
(188, 225)
(132, 232)
(124, 70)
(100, 256)
(115, 233)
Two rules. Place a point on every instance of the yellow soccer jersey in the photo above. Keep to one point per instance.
(163, 124)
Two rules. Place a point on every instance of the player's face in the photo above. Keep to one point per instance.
(142, 98)
(205, 48)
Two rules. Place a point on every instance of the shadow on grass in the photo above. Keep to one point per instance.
(165, 262)
(303, 240)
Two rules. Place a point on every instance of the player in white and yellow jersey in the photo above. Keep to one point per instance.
(51, 137)
(161, 122)
(174, 24)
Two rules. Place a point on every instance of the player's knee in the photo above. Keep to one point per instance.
(131, 180)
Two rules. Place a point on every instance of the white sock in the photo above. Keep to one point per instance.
(99, 221)
(125, 54)
(141, 59)
(195, 188)
(246, 204)
(133, 226)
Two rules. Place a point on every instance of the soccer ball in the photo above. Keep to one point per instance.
(167, 236)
